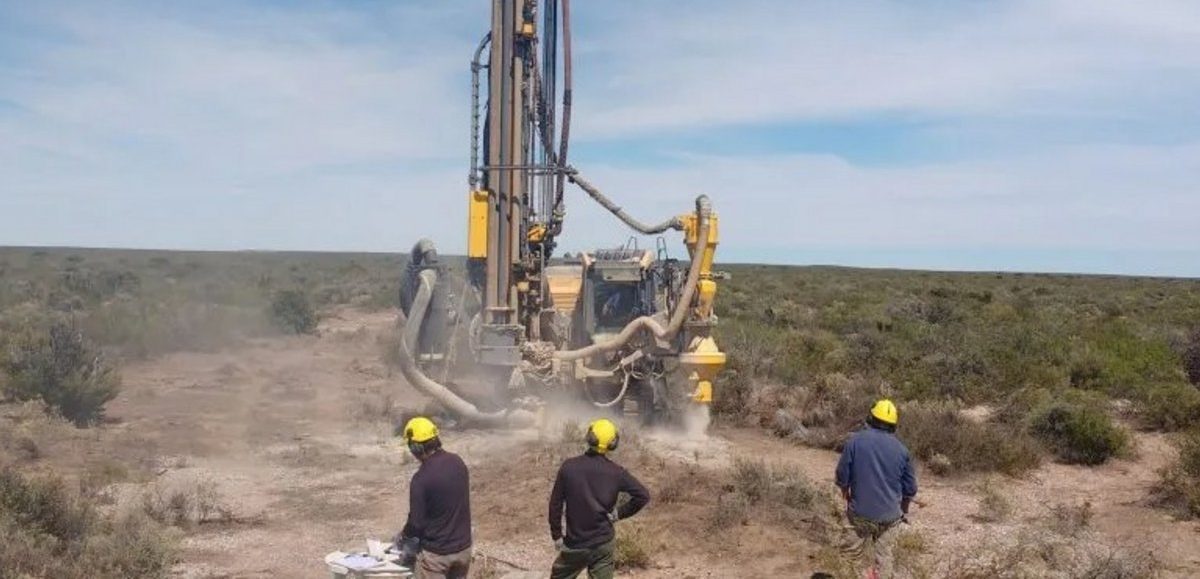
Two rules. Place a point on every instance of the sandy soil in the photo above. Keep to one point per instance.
(295, 436)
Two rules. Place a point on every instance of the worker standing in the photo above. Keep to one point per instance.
(588, 486)
(437, 535)
(876, 477)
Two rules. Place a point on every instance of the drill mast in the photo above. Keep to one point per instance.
(522, 175)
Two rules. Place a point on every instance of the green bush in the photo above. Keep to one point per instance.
(50, 531)
(1191, 357)
(940, 433)
(1078, 432)
(1170, 406)
(778, 486)
(1179, 487)
(1127, 363)
(291, 312)
(60, 367)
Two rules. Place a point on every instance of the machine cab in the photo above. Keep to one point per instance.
(616, 289)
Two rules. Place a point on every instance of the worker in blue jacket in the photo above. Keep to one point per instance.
(877, 479)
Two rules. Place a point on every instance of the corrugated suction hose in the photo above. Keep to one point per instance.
(412, 372)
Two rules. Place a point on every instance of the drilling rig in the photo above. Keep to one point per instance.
(625, 329)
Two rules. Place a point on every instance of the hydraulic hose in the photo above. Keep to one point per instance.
(568, 87)
(704, 235)
(603, 200)
(408, 366)
(619, 397)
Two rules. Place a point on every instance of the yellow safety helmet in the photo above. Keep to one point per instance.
(885, 412)
(602, 436)
(420, 430)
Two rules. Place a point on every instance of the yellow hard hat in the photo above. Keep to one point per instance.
(420, 430)
(602, 436)
(885, 412)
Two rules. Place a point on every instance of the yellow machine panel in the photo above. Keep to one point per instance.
(477, 224)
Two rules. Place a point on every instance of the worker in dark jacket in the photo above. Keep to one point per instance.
(588, 486)
(876, 476)
(437, 536)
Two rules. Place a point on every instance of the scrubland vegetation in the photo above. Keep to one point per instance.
(1051, 359)
(52, 530)
(67, 316)
(145, 303)
(70, 317)
(994, 373)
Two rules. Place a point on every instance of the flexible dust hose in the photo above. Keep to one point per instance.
(603, 200)
(408, 366)
(704, 234)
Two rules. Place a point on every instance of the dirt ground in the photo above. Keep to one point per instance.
(294, 438)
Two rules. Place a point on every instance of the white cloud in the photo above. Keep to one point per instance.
(762, 61)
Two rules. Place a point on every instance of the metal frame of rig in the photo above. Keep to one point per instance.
(534, 324)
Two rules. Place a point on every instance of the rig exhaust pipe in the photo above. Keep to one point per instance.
(412, 372)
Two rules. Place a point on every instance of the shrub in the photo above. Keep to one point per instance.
(949, 442)
(778, 485)
(752, 478)
(1191, 357)
(1179, 487)
(1170, 406)
(50, 531)
(43, 506)
(291, 312)
(60, 367)
(1078, 432)
(185, 503)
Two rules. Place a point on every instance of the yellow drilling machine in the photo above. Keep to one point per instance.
(624, 329)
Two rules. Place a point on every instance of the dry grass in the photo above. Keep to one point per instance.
(634, 547)
(1046, 552)
(1179, 485)
(1071, 520)
(910, 550)
(775, 495)
(994, 506)
(186, 503)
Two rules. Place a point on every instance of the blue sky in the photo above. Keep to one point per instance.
(1048, 135)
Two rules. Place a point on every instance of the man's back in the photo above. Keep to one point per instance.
(877, 469)
(588, 485)
(441, 504)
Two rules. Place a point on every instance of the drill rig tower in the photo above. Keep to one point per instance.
(613, 326)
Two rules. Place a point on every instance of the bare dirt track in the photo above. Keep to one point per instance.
(295, 436)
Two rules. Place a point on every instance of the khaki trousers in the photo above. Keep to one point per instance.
(874, 542)
(452, 566)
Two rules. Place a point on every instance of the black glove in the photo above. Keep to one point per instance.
(408, 547)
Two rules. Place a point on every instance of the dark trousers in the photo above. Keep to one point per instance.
(598, 562)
